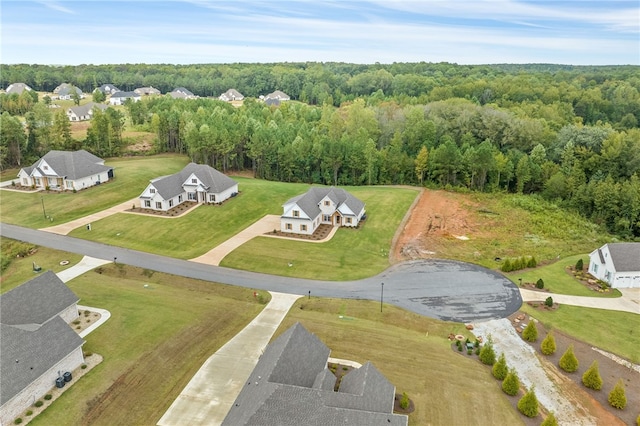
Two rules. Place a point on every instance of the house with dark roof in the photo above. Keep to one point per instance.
(196, 182)
(108, 89)
(66, 170)
(37, 342)
(321, 205)
(84, 112)
(231, 95)
(617, 263)
(17, 88)
(65, 90)
(119, 98)
(182, 93)
(292, 385)
(146, 91)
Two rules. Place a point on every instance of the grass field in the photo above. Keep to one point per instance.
(413, 353)
(154, 342)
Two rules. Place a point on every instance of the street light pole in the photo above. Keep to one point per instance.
(43, 211)
(381, 295)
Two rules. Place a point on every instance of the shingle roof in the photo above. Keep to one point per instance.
(309, 201)
(36, 301)
(83, 110)
(147, 90)
(215, 182)
(232, 94)
(17, 88)
(125, 95)
(72, 164)
(625, 256)
(110, 87)
(278, 94)
(183, 90)
(291, 385)
(65, 89)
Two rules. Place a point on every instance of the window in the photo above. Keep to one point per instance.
(303, 227)
(179, 198)
(158, 205)
(46, 167)
(348, 219)
(25, 181)
(147, 203)
(296, 213)
(69, 185)
(152, 190)
(288, 226)
(212, 198)
(191, 196)
(327, 203)
(595, 268)
(171, 203)
(194, 180)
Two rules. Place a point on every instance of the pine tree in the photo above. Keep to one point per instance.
(550, 420)
(548, 345)
(548, 302)
(540, 283)
(487, 354)
(568, 361)
(530, 332)
(528, 404)
(500, 368)
(579, 265)
(511, 383)
(591, 378)
(532, 262)
(617, 397)
(506, 266)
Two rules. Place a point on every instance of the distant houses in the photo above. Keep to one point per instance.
(182, 93)
(17, 88)
(108, 89)
(147, 91)
(65, 91)
(84, 112)
(231, 95)
(119, 98)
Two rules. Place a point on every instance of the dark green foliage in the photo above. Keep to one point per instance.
(404, 402)
(550, 420)
(511, 383)
(38, 403)
(591, 378)
(487, 354)
(528, 404)
(530, 332)
(548, 302)
(568, 361)
(17, 421)
(532, 262)
(500, 369)
(548, 345)
(579, 265)
(617, 396)
(48, 397)
(540, 283)
(506, 266)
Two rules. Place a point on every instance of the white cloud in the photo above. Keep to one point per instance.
(54, 5)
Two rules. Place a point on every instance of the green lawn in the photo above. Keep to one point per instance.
(558, 280)
(131, 177)
(350, 254)
(413, 353)
(156, 339)
(613, 331)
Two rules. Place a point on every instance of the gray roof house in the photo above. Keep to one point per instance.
(182, 93)
(199, 183)
(66, 170)
(279, 95)
(84, 112)
(231, 95)
(292, 385)
(617, 263)
(108, 89)
(119, 98)
(65, 90)
(37, 341)
(147, 91)
(321, 205)
(17, 88)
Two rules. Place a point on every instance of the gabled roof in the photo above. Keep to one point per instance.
(147, 91)
(72, 164)
(278, 94)
(83, 110)
(309, 201)
(36, 301)
(625, 256)
(125, 95)
(108, 87)
(214, 181)
(184, 91)
(17, 88)
(65, 89)
(232, 94)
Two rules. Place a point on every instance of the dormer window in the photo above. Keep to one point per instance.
(153, 191)
(327, 203)
(46, 167)
(194, 180)
(296, 213)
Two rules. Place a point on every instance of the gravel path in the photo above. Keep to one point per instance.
(531, 371)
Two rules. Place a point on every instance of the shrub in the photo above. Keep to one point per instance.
(38, 403)
(511, 383)
(487, 354)
(469, 351)
(530, 332)
(506, 266)
(540, 283)
(550, 420)
(28, 413)
(532, 262)
(18, 421)
(617, 397)
(83, 366)
(579, 265)
(548, 301)
(500, 368)
(528, 404)
(591, 378)
(548, 346)
(48, 397)
(459, 347)
(404, 402)
(568, 361)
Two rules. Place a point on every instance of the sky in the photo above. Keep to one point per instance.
(577, 32)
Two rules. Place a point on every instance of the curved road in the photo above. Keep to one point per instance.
(442, 289)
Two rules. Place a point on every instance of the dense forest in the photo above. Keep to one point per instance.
(569, 134)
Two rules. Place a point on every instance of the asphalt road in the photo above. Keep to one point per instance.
(442, 289)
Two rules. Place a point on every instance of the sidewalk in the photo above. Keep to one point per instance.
(629, 302)
(207, 398)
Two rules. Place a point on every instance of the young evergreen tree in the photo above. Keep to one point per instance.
(487, 354)
(500, 368)
(511, 383)
(617, 396)
(404, 402)
(548, 345)
(532, 262)
(591, 378)
(528, 404)
(506, 266)
(568, 361)
(540, 283)
(550, 420)
(530, 332)
(579, 265)
(548, 301)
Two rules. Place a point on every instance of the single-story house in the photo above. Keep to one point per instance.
(182, 93)
(292, 385)
(119, 98)
(279, 95)
(66, 170)
(231, 95)
(65, 90)
(196, 182)
(17, 88)
(37, 342)
(84, 112)
(146, 91)
(321, 205)
(108, 89)
(617, 263)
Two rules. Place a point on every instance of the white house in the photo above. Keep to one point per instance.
(66, 170)
(321, 205)
(18, 88)
(196, 182)
(108, 89)
(119, 98)
(617, 263)
(65, 90)
(277, 95)
(182, 93)
(231, 95)
(84, 112)
(147, 91)
(37, 342)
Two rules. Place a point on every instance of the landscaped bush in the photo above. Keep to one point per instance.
(548, 302)
(48, 396)
(528, 404)
(28, 413)
(550, 420)
(530, 332)
(487, 354)
(532, 262)
(579, 265)
(500, 369)
(540, 283)
(18, 421)
(38, 403)
(568, 361)
(404, 402)
(83, 366)
(548, 346)
(591, 378)
(511, 383)
(506, 266)
(617, 397)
